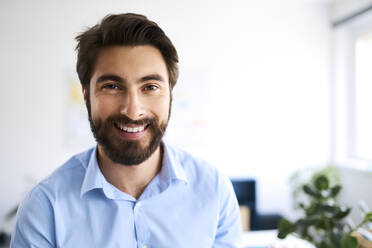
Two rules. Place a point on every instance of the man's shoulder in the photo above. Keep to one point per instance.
(190, 161)
(38, 211)
(67, 176)
(197, 170)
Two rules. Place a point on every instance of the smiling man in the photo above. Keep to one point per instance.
(132, 189)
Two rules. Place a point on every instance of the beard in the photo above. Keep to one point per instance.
(120, 150)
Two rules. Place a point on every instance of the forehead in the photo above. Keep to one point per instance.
(130, 61)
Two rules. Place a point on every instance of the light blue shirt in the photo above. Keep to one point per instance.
(188, 204)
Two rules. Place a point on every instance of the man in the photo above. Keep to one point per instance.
(132, 189)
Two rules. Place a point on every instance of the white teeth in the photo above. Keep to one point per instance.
(131, 129)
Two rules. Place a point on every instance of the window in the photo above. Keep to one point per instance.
(352, 93)
(363, 97)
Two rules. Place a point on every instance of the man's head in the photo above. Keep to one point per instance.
(127, 67)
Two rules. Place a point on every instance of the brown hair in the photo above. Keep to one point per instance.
(124, 29)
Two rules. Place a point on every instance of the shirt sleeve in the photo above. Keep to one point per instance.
(35, 223)
(229, 230)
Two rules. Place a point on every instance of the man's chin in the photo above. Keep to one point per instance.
(131, 153)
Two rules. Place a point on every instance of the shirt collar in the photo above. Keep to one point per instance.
(172, 169)
(93, 177)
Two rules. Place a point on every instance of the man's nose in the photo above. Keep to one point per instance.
(131, 105)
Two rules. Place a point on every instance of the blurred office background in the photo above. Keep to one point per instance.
(266, 88)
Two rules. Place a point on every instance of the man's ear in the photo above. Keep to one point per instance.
(84, 93)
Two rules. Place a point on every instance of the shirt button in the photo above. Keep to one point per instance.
(138, 204)
(144, 246)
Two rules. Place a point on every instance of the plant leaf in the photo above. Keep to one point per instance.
(331, 209)
(309, 221)
(335, 190)
(285, 227)
(301, 205)
(11, 213)
(349, 242)
(368, 217)
(308, 190)
(321, 182)
(312, 209)
(342, 214)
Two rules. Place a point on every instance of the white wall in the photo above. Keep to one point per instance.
(262, 67)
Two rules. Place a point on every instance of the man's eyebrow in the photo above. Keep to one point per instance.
(110, 77)
(156, 77)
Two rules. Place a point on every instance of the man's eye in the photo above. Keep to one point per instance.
(110, 86)
(151, 87)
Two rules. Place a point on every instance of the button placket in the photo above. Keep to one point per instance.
(139, 225)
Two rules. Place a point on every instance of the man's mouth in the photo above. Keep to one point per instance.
(131, 131)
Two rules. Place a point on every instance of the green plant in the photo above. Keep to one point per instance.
(12, 213)
(303, 176)
(323, 223)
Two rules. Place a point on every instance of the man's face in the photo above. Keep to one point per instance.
(129, 102)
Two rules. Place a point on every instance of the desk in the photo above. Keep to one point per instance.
(268, 239)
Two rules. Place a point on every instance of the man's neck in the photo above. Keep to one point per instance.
(130, 179)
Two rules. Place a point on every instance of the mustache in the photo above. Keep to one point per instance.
(126, 120)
